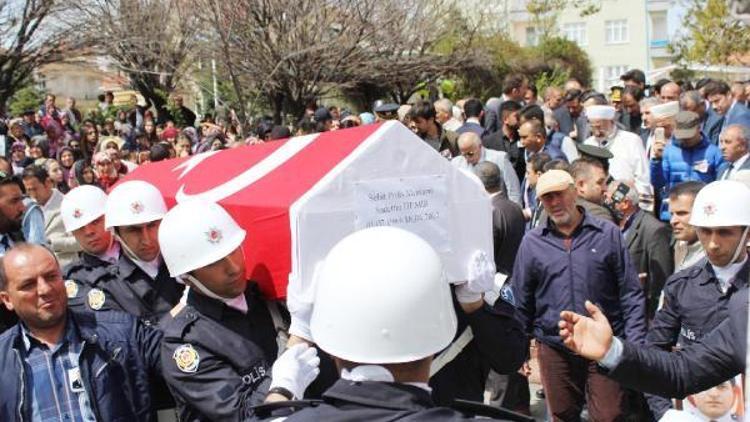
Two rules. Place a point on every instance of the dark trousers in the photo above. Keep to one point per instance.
(569, 381)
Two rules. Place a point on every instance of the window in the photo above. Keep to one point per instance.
(616, 31)
(659, 34)
(575, 32)
(612, 75)
(532, 36)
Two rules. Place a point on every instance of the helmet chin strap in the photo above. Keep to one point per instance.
(742, 244)
(129, 252)
(239, 303)
(203, 289)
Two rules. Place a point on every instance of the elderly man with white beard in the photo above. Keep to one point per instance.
(629, 160)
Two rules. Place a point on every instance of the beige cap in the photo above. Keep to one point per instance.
(553, 181)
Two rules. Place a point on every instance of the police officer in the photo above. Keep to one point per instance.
(82, 211)
(218, 348)
(489, 336)
(723, 228)
(383, 310)
(696, 299)
(137, 282)
(385, 111)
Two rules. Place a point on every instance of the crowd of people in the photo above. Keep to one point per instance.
(631, 205)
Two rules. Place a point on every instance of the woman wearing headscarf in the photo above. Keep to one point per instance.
(106, 174)
(66, 158)
(83, 174)
(18, 158)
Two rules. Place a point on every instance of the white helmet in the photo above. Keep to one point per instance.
(197, 233)
(134, 202)
(722, 204)
(81, 206)
(382, 297)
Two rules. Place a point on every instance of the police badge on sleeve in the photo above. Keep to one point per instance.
(187, 358)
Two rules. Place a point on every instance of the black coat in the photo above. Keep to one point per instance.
(233, 356)
(498, 344)
(363, 401)
(694, 305)
(125, 286)
(648, 241)
(698, 367)
(508, 227)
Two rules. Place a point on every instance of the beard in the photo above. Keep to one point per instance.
(8, 225)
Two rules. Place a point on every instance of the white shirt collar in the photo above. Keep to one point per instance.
(112, 254)
(472, 120)
(149, 267)
(376, 373)
(726, 273)
(740, 161)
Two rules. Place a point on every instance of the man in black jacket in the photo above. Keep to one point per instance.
(383, 345)
(647, 239)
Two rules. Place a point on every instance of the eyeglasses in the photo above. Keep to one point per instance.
(468, 154)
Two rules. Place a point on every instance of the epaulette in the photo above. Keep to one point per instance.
(181, 320)
(472, 408)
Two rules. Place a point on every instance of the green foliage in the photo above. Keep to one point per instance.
(557, 77)
(711, 35)
(29, 97)
(559, 54)
(551, 62)
(682, 74)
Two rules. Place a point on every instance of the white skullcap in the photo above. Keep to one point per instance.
(600, 112)
(666, 110)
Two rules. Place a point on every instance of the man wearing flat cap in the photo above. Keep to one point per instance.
(688, 155)
(574, 258)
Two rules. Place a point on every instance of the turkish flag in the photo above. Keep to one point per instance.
(297, 197)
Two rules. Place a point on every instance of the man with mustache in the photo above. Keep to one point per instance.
(559, 265)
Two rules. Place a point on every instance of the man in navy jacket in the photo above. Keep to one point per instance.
(573, 258)
(67, 365)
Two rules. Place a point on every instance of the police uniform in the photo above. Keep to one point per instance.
(368, 401)
(695, 368)
(216, 360)
(694, 304)
(122, 286)
(498, 343)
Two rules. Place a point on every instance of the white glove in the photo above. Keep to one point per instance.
(296, 369)
(481, 272)
(673, 415)
(300, 313)
(299, 303)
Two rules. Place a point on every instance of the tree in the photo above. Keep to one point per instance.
(545, 13)
(556, 55)
(33, 33)
(290, 53)
(712, 35)
(26, 98)
(151, 41)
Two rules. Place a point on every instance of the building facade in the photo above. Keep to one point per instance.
(622, 35)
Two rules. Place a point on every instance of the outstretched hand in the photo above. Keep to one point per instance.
(589, 337)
